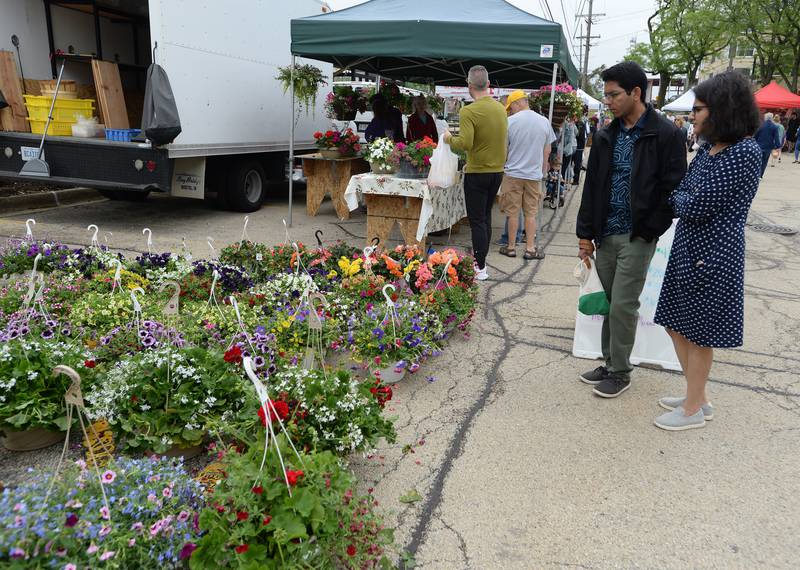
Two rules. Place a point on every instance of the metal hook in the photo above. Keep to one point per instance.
(318, 234)
(375, 241)
(28, 230)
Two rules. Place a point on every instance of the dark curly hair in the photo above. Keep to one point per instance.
(732, 110)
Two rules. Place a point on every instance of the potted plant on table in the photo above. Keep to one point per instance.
(344, 103)
(381, 157)
(414, 158)
(337, 144)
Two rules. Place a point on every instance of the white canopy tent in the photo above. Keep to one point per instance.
(591, 102)
(684, 103)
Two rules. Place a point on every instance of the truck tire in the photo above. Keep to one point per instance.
(247, 186)
(128, 195)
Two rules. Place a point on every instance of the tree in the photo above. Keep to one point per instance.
(772, 27)
(696, 30)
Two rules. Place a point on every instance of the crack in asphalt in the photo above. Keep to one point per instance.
(458, 441)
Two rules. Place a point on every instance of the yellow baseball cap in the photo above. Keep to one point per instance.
(515, 96)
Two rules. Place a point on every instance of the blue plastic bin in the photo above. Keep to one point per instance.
(122, 135)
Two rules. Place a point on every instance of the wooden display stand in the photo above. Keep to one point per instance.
(384, 211)
(330, 177)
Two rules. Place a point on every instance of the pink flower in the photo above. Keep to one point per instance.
(183, 516)
(17, 507)
(137, 526)
(105, 530)
(104, 513)
(107, 554)
(167, 492)
(70, 566)
(92, 548)
(109, 476)
(132, 542)
(151, 497)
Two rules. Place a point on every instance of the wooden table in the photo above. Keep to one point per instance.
(411, 204)
(330, 176)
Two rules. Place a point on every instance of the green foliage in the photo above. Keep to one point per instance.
(30, 396)
(255, 523)
(307, 80)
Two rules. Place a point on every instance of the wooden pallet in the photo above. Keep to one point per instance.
(110, 98)
(13, 117)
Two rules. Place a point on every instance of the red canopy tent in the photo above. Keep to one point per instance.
(774, 96)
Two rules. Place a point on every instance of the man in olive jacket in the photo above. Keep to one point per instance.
(634, 165)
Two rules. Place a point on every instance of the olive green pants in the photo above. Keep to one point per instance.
(622, 267)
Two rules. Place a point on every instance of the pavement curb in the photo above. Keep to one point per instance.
(49, 199)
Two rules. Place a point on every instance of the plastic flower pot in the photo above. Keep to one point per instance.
(380, 168)
(390, 374)
(177, 451)
(32, 439)
(330, 153)
(409, 171)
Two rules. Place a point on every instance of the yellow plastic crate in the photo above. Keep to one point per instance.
(56, 129)
(65, 111)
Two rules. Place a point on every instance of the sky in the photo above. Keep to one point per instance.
(624, 21)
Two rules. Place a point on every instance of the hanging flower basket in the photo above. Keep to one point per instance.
(178, 451)
(32, 439)
(566, 102)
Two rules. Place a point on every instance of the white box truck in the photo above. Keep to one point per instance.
(221, 58)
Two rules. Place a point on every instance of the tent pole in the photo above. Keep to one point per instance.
(553, 91)
(291, 145)
(546, 166)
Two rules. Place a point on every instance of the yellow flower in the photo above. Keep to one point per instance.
(411, 267)
(349, 268)
(332, 274)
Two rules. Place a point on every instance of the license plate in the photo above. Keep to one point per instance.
(30, 152)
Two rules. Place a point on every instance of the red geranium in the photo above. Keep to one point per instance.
(382, 393)
(267, 520)
(89, 363)
(242, 548)
(242, 515)
(257, 489)
(351, 550)
(277, 409)
(293, 476)
(234, 355)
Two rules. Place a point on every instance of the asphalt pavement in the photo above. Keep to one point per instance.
(516, 463)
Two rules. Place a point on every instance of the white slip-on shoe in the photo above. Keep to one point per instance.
(672, 403)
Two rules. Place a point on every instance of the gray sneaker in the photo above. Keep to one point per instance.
(595, 376)
(672, 403)
(676, 421)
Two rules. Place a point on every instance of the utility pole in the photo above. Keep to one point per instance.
(588, 37)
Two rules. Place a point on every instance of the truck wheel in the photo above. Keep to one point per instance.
(246, 187)
(128, 195)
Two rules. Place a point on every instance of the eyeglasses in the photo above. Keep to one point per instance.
(614, 95)
(697, 108)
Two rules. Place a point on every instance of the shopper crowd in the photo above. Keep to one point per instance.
(637, 183)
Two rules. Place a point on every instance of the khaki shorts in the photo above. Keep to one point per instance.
(516, 193)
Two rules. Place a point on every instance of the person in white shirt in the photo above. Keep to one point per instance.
(529, 139)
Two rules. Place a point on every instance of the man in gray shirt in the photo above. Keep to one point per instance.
(529, 138)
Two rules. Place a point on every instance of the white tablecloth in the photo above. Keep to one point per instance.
(441, 207)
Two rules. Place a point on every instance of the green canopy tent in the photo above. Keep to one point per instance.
(436, 42)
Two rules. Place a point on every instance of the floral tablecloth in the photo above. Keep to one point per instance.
(441, 207)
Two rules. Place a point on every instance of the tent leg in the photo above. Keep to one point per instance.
(546, 166)
(291, 147)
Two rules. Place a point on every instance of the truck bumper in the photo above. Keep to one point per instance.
(90, 162)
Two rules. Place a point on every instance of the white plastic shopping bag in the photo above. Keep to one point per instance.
(592, 298)
(444, 167)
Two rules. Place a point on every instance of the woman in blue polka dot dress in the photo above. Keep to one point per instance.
(702, 299)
